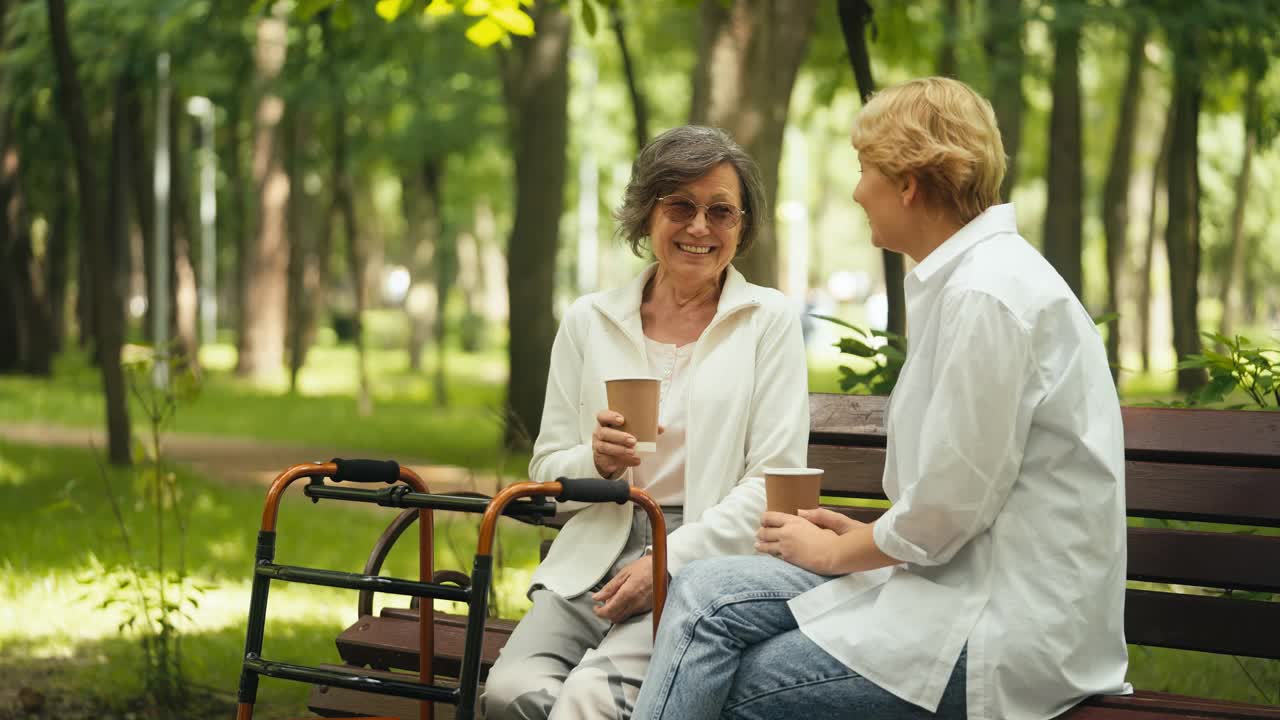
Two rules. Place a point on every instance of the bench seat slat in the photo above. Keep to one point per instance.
(1145, 705)
(1205, 493)
(391, 641)
(1209, 624)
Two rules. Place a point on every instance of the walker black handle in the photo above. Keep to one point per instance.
(366, 471)
(593, 490)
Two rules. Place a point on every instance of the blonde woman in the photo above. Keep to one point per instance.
(994, 585)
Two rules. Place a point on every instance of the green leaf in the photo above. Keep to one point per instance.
(342, 17)
(513, 20)
(307, 9)
(440, 8)
(853, 346)
(589, 17)
(389, 10)
(839, 322)
(1106, 318)
(485, 33)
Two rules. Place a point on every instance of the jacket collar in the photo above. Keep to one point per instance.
(995, 220)
(622, 304)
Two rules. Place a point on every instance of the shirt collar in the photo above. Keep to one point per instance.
(995, 220)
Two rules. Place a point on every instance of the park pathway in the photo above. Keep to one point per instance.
(245, 460)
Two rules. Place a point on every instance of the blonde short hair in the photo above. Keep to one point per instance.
(941, 132)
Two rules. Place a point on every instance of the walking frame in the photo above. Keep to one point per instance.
(525, 500)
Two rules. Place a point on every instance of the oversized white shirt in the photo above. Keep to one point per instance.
(1005, 467)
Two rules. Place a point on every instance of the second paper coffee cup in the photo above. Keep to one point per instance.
(789, 490)
(636, 399)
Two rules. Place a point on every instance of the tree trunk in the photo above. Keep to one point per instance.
(1003, 44)
(303, 266)
(1064, 215)
(947, 66)
(120, 162)
(186, 304)
(445, 262)
(25, 331)
(1231, 300)
(344, 205)
(237, 202)
(57, 255)
(1183, 233)
(855, 16)
(1115, 195)
(747, 62)
(143, 187)
(420, 231)
(107, 303)
(535, 82)
(639, 106)
(1159, 181)
(264, 299)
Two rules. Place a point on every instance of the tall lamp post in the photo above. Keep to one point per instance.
(202, 108)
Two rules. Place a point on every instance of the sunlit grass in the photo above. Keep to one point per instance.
(64, 557)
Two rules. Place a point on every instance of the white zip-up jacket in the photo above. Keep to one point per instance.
(748, 409)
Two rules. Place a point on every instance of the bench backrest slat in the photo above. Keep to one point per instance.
(1170, 491)
(1184, 557)
(1220, 437)
(1208, 624)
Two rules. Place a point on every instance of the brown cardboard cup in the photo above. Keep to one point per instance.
(791, 489)
(636, 399)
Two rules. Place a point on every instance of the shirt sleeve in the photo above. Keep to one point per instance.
(777, 434)
(973, 436)
(559, 450)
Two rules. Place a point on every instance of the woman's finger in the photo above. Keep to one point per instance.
(612, 450)
(767, 534)
(609, 418)
(776, 519)
(617, 437)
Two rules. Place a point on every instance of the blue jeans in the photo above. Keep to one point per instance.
(729, 647)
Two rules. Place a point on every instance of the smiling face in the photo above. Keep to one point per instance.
(696, 252)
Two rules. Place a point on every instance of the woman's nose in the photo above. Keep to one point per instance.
(698, 226)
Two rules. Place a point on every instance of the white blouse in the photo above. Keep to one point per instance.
(1005, 465)
(661, 474)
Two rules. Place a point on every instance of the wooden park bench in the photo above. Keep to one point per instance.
(1207, 589)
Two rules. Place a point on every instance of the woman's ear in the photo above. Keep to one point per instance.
(908, 189)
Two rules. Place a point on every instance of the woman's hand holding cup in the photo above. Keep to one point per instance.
(612, 449)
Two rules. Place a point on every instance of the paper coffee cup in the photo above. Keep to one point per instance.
(636, 399)
(789, 490)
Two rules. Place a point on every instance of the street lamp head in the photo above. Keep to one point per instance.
(199, 106)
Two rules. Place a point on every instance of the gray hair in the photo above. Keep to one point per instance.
(679, 156)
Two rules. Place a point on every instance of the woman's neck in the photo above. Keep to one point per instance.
(666, 289)
(932, 231)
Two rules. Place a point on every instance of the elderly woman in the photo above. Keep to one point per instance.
(994, 585)
(734, 398)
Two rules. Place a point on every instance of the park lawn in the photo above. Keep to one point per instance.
(63, 559)
(406, 421)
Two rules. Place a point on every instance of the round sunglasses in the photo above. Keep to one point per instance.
(680, 209)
